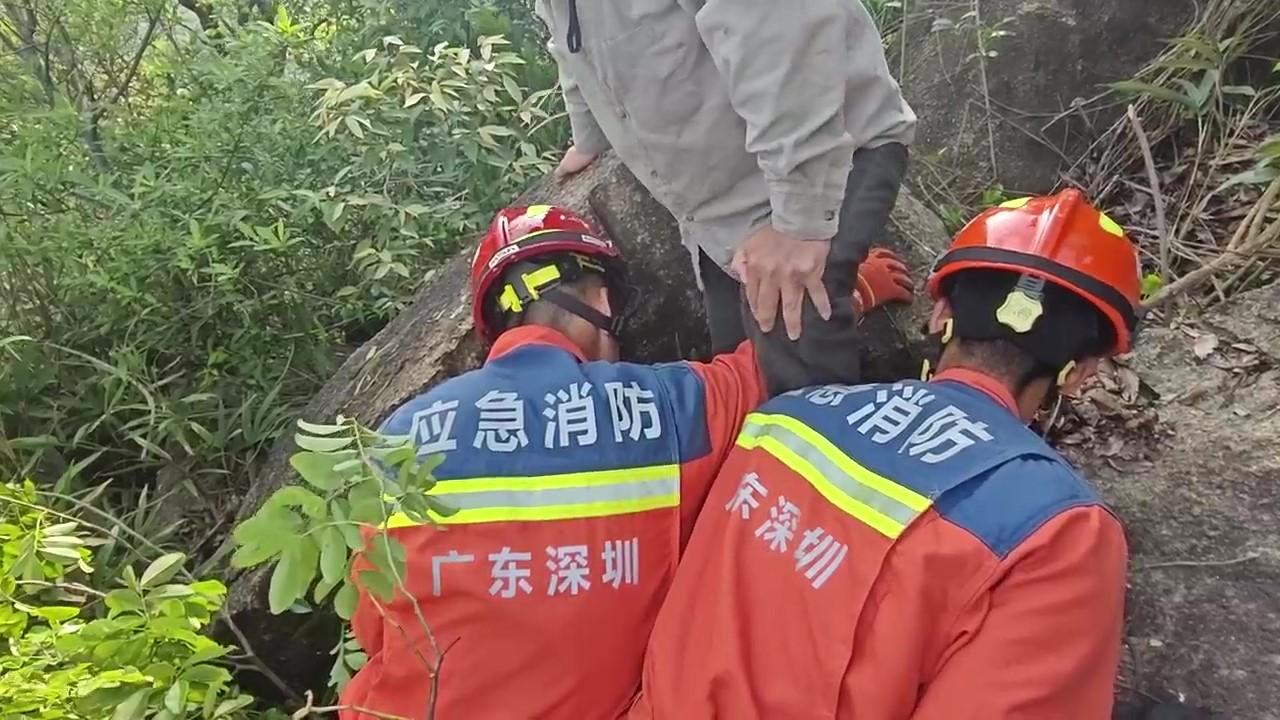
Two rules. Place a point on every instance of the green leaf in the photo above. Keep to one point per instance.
(175, 701)
(57, 613)
(296, 496)
(1243, 90)
(1160, 93)
(344, 603)
(162, 569)
(293, 575)
(316, 429)
(322, 444)
(206, 675)
(134, 707)
(378, 583)
(123, 600)
(226, 707)
(439, 507)
(333, 555)
(168, 592)
(1151, 284)
(318, 469)
(1260, 175)
(211, 651)
(62, 552)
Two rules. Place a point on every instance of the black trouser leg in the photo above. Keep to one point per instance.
(721, 295)
(827, 351)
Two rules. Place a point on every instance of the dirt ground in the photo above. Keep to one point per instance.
(1187, 449)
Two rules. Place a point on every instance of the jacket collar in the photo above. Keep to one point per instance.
(982, 382)
(519, 337)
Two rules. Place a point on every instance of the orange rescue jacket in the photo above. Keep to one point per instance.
(885, 552)
(576, 485)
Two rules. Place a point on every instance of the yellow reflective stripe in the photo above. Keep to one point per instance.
(1016, 203)
(873, 499)
(871, 479)
(560, 512)
(554, 497)
(562, 480)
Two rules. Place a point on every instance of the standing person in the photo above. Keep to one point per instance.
(576, 480)
(774, 133)
(914, 550)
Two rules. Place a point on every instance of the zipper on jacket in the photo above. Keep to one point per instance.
(573, 39)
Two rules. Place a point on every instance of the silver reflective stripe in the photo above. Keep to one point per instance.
(611, 492)
(843, 481)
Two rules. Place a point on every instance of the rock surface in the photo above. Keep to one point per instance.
(1060, 51)
(1203, 514)
(432, 340)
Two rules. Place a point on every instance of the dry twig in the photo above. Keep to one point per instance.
(1248, 240)
(1199, 563)
(310, 709)
(1157, 196)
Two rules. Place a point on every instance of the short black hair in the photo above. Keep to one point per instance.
(1071, 327)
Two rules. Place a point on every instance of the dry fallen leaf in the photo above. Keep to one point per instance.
(1129, 384)
(1205, 345)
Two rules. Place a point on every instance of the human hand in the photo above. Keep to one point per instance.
(780, 269)
(882, 278)
(573, 162)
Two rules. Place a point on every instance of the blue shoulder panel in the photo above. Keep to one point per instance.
(688, 397)
(538, 411)
(1007, 505)
(981, 467)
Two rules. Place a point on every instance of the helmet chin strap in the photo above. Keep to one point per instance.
(937, 345)
(566, 301)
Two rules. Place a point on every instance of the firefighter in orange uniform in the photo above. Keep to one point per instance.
(575, 478)
(914, 550)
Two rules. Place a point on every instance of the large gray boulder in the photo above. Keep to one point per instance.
(1199, 492)
(1060, 52)
(432, 340)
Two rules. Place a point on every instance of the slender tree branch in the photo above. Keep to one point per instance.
(1157, 196)
(153, 20)
(258, 664)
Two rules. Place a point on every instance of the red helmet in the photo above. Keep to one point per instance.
(521, 234)
(1061, 239)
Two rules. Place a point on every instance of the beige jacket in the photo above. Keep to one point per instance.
(731, 112)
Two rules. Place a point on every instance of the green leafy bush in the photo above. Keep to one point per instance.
(191, 258)
(78, 653)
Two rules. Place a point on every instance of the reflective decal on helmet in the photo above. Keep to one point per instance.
(499, 256)
(1110, 225)
(537, 212)
(1023, 306)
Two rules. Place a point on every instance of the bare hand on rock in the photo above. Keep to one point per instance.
(778, 269)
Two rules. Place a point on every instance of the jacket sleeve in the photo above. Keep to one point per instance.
(723, 391)
(1044, 642)
(587, 135)
(786, 66)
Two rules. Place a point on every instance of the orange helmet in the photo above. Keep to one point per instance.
(1061, 239)
(550, 245)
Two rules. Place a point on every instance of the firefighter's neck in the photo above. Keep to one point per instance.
(595, 344)
(1027, 399)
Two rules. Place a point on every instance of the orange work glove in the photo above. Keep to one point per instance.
(882, 278)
